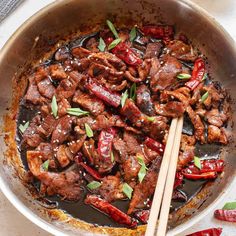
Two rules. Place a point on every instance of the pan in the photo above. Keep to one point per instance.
(59, 23)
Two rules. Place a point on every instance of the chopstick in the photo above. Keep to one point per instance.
(173, 140)
(165, 207)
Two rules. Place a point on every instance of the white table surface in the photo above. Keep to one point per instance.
(12, 223)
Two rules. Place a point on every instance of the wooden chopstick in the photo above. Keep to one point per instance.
(172, 149)
(157, 198)
(166, 201)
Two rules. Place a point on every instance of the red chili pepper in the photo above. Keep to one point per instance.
(178, 180)
(207, 175)
(125, 53)
(91, 171)
(110, 210)
(207, 166)
(154, 145)
(226, 215)
(197, 74)
(207, 232)
(142, 215)
(165, 32)
(105, 144)
(103, 93)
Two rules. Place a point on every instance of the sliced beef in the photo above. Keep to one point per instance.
(67, 184)
(156, 129)
(197, 124)
(67, 87)
(132, 144)
(131, 168)
(170, 109)
(215, 97)
(149, 154)
(153, 50)
(89, 151)
(76, 145)
(33, 95)
(146, 188)
(131, 111)
(63, 105)
(215, 117)
(92, 45)
(57, 72)
(47, 125)
(121, 147)
(216, 135)
(46, 88)
(166, 75)
(111, 188)
(94, 105)
(31, 136)
(62, 54)
(80, 52)
(64, 155)
(143, 71)
(46, 151)
(181, 51)
(106, 121)
(144, 101)
(62, 130)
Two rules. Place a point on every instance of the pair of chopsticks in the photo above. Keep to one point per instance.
(164, 188)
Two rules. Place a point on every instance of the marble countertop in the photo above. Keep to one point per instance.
(12, 223)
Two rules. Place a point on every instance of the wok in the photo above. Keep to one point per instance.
(58, 23)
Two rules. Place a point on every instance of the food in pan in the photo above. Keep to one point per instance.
(95, 118)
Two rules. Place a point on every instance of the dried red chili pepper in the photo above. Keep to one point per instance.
(207, 232)
(142, 215)
(178, 180)
(91, 171)
(165, 32)
(103, 93)
(110, 210)
(105, 144)
(125, 53)
(197, 74)
(225, 215)
(207, 175)
(207, 166)
(154, 145)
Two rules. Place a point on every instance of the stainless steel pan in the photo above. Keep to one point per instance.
(40, 34)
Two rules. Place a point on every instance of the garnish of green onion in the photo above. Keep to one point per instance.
(204, 96)
(132, 93)
(88, 130)
(93, 185)
(112, 157)
(229, 206)
(151, 118)
(114, 43)
(54, 106)
(45, 165)
(204, 77)
(124, 97)
(132, 34)
(76, 112)
(101, 45)
(112, 28)
(143, 170)
(197, 162)
(23, 128)
(127, 190)
(183, 76)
